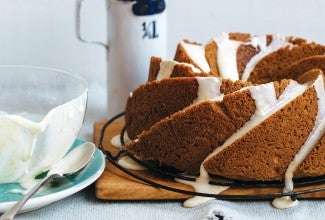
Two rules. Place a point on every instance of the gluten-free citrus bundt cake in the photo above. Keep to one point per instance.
(187, 137)
(198, 112)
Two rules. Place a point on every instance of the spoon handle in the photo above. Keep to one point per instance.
(10, 214)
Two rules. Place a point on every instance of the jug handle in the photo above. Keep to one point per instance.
(77, 28)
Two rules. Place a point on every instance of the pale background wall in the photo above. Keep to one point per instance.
(41, 32)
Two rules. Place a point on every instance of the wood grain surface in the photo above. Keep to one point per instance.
(114, 184)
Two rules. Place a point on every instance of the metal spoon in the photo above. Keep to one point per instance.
(71, 163)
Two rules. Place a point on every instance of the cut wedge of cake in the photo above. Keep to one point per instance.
(153, 101)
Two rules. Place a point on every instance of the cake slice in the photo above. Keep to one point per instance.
(192, 53)
(162, 69)
(304, 65)
(228, 54)
(310, 76)
(265, 146)
(184, 139)
(158, 99)
(275, 65)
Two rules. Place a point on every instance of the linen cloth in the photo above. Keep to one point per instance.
(84, 206)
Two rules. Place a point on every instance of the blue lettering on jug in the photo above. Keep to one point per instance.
(149, 30)
(148, 7)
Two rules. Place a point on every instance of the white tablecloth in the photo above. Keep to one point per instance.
(84, 205)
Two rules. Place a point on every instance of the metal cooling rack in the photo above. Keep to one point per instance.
(172, 174)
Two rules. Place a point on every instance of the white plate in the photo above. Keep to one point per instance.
(56, 190)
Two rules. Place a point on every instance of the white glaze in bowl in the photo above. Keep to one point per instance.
(42, 111)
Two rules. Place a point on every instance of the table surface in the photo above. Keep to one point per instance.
(84, 204)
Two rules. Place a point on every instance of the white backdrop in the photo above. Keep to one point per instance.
(41, 32)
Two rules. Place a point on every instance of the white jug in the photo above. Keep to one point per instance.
(136, 31)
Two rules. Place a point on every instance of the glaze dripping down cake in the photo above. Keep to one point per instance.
(243, 107)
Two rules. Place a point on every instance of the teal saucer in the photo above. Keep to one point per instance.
(57, 189)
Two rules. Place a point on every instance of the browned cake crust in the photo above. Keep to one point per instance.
(302, 66)
(156, 100)
(154, 68)
(181, 70)
(211, 57)
(280, 86)
(274, 66)
(244, 55)
(229, 86)
(238, 36)
(265, 152)
(297, 40)
(310, 76)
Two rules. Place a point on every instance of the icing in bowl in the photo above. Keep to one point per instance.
(42, 111)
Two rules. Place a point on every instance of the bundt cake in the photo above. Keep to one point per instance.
(244, 107)
(187, 137)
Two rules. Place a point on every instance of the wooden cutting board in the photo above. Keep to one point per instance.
(114, 184)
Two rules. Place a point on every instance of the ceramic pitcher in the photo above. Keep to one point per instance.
(136, 31)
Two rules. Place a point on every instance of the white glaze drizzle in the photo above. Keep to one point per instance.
(125, 161)
(209, 89)
(284, 202)
(312, 140)
(201, 184)
(227, 56)
(167, 68)
(129, 163)
(197, 54)
(116, 140)
(260, 41)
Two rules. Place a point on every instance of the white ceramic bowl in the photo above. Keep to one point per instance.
(41, 113)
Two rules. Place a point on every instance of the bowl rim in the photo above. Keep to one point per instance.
(61, 71)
